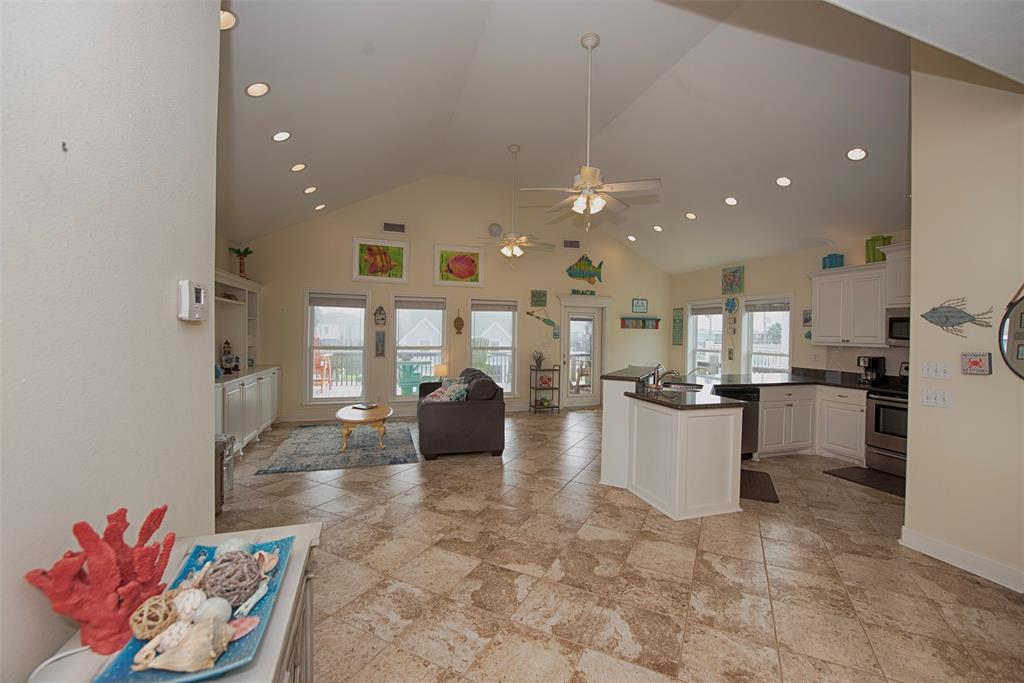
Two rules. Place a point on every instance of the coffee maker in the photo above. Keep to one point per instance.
(872, 368)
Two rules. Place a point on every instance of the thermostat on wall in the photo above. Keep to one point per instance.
(191, 300)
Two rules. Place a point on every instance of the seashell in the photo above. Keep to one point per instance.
(234, 544)
(199, 649)
(172, 636)
(243, 627)
(268, 561)
(187, 602)
(246, 607)
(154, 615)
(233, 576)
(213, 608)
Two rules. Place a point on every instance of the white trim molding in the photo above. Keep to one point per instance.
(985, 567)
(583, 300)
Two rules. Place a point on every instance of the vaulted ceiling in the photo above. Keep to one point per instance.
(716, 98)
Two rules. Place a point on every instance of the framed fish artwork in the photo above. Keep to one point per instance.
(380, 260)
(455, 265)
(733, 280)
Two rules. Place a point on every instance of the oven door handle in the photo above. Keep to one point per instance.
(888, 399)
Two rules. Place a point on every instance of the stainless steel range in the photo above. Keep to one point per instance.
(886, 426)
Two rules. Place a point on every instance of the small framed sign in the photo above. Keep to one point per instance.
(378, 344)
(972, 363)
(639, 305)
(380, 318)
(538, 297)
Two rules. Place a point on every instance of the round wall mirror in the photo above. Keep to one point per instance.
(1011, 336)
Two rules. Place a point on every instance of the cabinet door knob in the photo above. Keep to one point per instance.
(842, 396)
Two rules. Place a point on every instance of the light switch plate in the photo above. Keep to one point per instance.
(937, 370)
(939, 398)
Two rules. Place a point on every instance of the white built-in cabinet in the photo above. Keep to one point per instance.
(848, 306)
(841, 419)
(250, 404)
(897, 274)
(786, 419)
(826, 420)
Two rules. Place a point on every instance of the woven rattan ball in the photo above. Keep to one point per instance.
(233, 576)
(151, 617)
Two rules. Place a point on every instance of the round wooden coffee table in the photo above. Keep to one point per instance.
(351, 418)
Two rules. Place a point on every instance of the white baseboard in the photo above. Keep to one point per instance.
(985, 567)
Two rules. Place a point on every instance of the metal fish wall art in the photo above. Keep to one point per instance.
(952, 315)
(584, 269)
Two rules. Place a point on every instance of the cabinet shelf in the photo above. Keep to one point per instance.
(555, 373)
(233, 302)
(634, 322)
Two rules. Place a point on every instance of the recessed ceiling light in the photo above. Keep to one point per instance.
(257, 89)
(310, 190)
(282, 136)
(857, 154)
(783, 181)
(631, 238)
(731, 201)
(657, 228)
(298, 167)
(691, 215)
(319, 207)
(227, 20)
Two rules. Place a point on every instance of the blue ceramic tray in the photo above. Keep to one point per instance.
(238, 654)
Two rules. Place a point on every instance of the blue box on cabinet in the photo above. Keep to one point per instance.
(833, 261)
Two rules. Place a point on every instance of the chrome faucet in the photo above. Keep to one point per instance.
(660, 373)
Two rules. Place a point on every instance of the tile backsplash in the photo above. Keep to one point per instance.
(844, 358)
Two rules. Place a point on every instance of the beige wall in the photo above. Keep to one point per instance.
(107, 398)
(965, 474)
(223, 258)
(783, 274)
(317, 255)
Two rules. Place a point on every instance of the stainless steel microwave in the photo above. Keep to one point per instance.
(897, 325)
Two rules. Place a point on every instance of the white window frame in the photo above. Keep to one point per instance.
(308, 399)
(395, 298)
(746, 344)
(514, 370)
(691, 333)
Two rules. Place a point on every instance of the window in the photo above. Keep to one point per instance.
(493, 340)
(336, 346)
(419, 342)
(766, 335)
(704, 340)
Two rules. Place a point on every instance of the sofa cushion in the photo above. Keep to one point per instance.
(469, 374)
(482, 388)
(452, 392)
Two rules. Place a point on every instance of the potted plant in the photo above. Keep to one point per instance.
(241, 254)
(538, 360)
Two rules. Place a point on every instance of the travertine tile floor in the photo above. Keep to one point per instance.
(523, 568)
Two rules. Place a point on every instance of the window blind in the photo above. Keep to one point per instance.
(765, 306)
(706, 309)
(489, 305)
(420, 303)
(337, 300)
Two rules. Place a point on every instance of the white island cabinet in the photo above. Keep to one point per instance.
(615, 421)
(684, 452)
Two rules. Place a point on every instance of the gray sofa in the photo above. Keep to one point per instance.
(475, 425)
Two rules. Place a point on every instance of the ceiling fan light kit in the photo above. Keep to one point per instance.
(589, 193)
(513, 245)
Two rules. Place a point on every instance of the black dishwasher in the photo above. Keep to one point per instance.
(751, 396)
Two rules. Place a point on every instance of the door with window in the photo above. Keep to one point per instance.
(419, 342)
(582, 335)
(335, 347)
(704, 339)
(766, 335)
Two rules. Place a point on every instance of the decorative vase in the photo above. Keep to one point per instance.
(241, 268)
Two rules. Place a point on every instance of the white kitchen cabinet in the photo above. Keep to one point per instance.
(848, 306)
(250, 409)
(897, 274)
(785, 426)
(266, 391)
(842, 430)
(275, 384)
(233, 420)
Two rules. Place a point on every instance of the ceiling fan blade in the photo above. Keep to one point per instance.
(546, 189)
(633, 186)
(564, 204)
(614, 203)
(542, 246)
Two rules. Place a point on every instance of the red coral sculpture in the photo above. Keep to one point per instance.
(102, 585)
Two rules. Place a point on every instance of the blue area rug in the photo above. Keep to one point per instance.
(318, 447)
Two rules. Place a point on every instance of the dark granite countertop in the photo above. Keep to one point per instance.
(630, 374)
(829, 378)
(686, 400)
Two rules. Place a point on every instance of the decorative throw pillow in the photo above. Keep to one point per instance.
(448, 381)
(452, 392)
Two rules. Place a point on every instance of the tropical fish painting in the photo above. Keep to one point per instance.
(379, 260)
(584, 269)
(952, 315)
(457, 265)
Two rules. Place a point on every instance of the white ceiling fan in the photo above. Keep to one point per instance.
(512, 245)
(589, 193)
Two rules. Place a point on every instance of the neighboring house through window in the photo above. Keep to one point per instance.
(704, 338)
(493, 340)
(419, 341)
(335, 346)
(766, 334)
